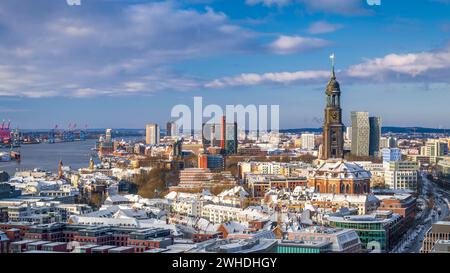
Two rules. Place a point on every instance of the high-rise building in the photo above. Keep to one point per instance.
(108, 135)
(333, 129)
(348, 133)
(360, 133)
(375, 135)
(223, 135)
(435, 147)
(171, 129)
(152, 134)
(308, 141)
(231, 140)
(210, 135)
(388, 142)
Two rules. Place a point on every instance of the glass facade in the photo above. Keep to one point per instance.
(296, 249)
(368, 233)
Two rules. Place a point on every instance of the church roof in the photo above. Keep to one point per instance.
(333, 86)
(341, 169)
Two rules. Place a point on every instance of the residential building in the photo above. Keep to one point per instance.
(152, 134)
(308, 142)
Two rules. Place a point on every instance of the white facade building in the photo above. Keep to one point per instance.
(402, 175)
(308, 142)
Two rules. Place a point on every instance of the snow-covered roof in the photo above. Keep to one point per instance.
(237, 191)
(116, 198)
(341, 170)
(234, 227)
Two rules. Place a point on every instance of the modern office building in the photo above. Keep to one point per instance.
(360, 133)
(441, 246)
(435, 148)
(231, 138)
(402, 175)
(212, 162)
(391, 154)
(223, 135)
(172, 129)
(438, 231)
(333, 128)
(388, 142)
(443, 167)
(348, 133)
(378, 232)
(210, 135)
(152, 134)
(320, 240)
(108, 136)
(308, 142)
(291, 247)
(375, 136)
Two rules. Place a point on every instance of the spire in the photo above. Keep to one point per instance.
(332, 57)
(60, 171)
(91, 164)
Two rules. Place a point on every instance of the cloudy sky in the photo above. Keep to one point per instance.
(124, 63)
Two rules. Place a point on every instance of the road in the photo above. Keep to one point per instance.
(411, 242)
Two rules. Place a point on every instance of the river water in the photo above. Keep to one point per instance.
(46, 156)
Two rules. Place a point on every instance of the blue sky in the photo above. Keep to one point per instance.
(122, 64)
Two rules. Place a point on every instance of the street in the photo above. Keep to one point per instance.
(411, 242)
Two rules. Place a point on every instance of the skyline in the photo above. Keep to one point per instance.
(83, 64)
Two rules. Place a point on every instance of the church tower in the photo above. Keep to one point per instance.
(333, 129)
(60, 170)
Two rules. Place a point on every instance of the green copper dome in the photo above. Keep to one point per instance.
(333, 86)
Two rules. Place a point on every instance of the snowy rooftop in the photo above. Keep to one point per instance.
(341, 169)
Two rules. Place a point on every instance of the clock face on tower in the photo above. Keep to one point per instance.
(334, 116)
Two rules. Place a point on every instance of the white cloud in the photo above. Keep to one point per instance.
(432, 67)
(248, 79)
(323, 27)
(107, 50)
(342, 7)
(291, 44)
(412, 64)
(268, 3)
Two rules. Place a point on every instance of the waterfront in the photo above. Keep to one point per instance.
(46, 156)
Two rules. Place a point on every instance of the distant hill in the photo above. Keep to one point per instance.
(387, 129)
